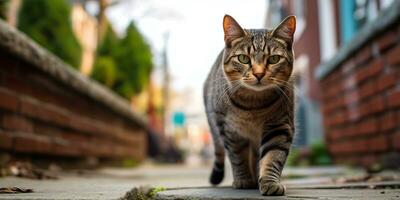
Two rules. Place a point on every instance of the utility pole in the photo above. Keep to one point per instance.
(102, 18)
(166, 81)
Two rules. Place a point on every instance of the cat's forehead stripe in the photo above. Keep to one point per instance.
(258, 39)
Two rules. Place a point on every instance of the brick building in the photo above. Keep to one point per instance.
(348, 56)
(49, 110)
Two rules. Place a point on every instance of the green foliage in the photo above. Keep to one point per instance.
(134, 63)
(105, 66)
(132, 58)
(109, 44)
(3, 8)
(156, 190)
(319, 154)
(130, 162)
(48, 23)
(142, 193)
(316, 155)
(105, 70)
(293, 156)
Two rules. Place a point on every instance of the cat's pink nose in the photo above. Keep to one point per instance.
(259, 76)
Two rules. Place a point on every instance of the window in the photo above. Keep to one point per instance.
(354, 14)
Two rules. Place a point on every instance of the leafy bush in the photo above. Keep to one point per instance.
(316, 154)
(293, 157)
(105, 70)
(319, 154)
(3, 8)
(132, 60)
(134, 63)
(48, 23)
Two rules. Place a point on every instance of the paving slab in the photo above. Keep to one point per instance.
(225, 193)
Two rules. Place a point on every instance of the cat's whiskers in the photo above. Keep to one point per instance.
(287, 100)
(231, 87)
(225, 84)
(287, 85)
(222, 81)
(284, 95)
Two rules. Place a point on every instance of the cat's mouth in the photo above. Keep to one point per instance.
(257, 86)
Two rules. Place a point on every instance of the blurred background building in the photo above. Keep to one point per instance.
(85, 29)
(342, 39)
(308, 52)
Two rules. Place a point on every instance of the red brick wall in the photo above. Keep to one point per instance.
(308, 44)
(361, 102)
(42, 116)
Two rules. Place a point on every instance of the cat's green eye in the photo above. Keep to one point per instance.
(274, 59)
(244, 59)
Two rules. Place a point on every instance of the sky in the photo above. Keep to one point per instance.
(194, 29)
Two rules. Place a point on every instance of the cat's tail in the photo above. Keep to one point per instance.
(217, 174)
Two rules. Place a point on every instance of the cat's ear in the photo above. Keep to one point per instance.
(232, 30)
(286, 29)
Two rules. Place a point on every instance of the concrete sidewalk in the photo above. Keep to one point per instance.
(224, 193)
(184, 182)
(110, 183)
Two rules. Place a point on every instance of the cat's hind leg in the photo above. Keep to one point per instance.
(217, 173)
(239, 151)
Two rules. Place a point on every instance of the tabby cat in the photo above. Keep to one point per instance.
(249, 102)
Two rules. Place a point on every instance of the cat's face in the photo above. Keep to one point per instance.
(258, 59)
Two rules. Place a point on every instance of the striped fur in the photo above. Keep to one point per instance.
(249, 117)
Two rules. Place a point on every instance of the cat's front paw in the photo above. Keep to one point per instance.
(268, 188)
(244, 184)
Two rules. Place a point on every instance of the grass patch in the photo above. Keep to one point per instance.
(142, 193)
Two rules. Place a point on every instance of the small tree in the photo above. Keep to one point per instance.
(134, 63)
(105, 70)
(105, 66)
(109, 45)
(124, 64)
(48, 23)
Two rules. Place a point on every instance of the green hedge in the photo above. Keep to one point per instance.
(48, 22)
(131, 58)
